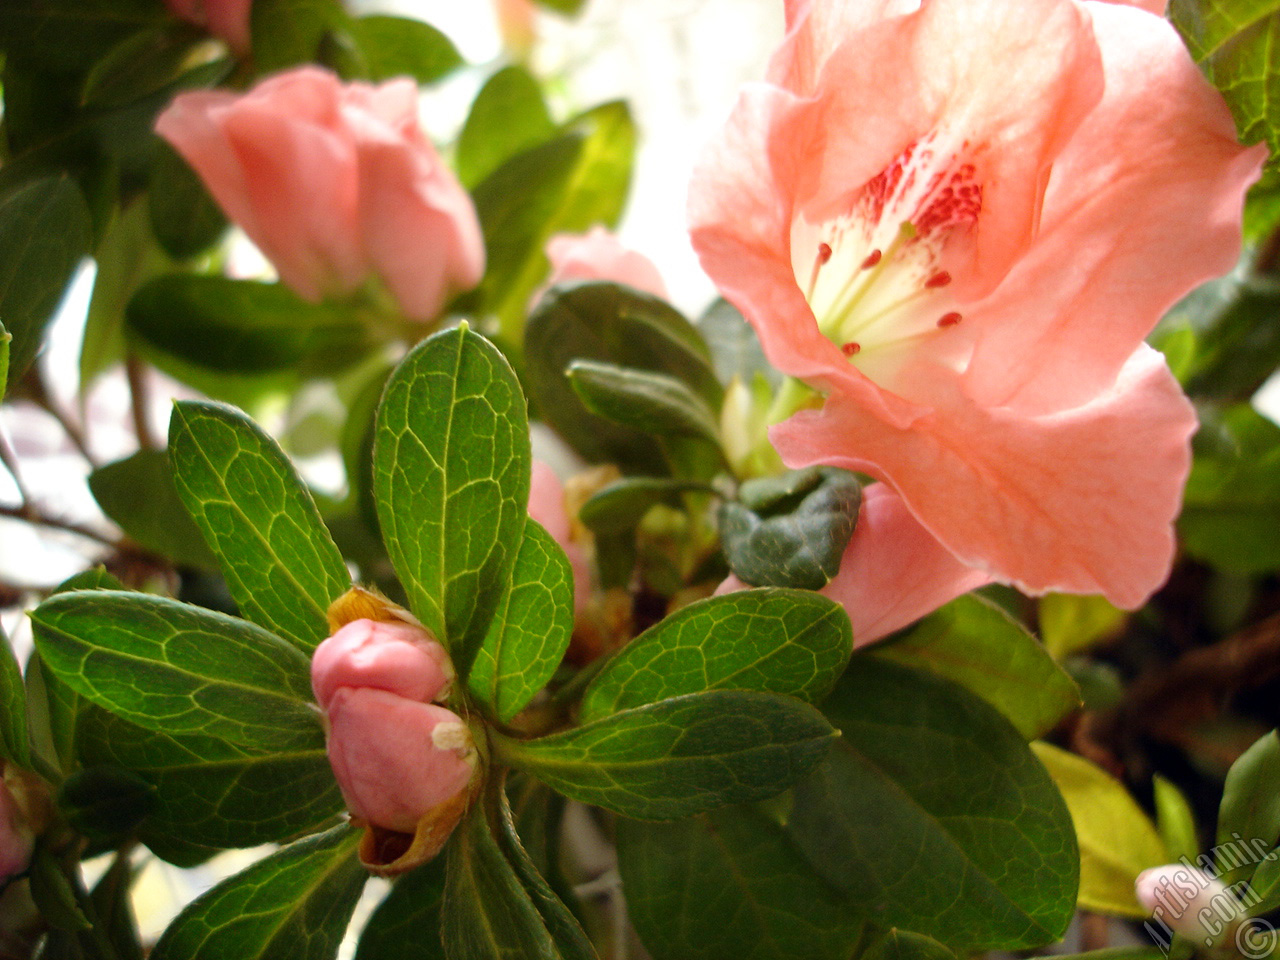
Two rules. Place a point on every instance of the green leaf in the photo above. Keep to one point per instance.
(620, 506)
(1175, 820)
(13, 708)
(1231, 506)
(507, 117)
(212, 792)
(905, 945)
(44, 234)
(291, 905)
(487, 912)
(53, 893)
(566, 185)
(138, 494)
(243, 326)
(729, 885)
(1237, 347)
(566, 7)
(401, 46)
(650, 402)
(681, 756)
(407, 921)
(104, 803)
(451, 466)
(1250, 807)
(1071, 623)
(933, 815)
(792, 530)
(179, 669)
(609, 323)
(530, 629)
(289, 32)
(974, 643)
(789, 642)
(735, 347)
(140, 65)
(1117, 840)
(185, 218)
(5, 338)
(70, 34)
(1235, 43)
(280, 563)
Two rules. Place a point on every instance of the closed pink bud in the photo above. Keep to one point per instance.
(599, 255)
(1189, 901)
(399, 658)
(336, 183)
(16, 839)
(228, 19)
(395, 759)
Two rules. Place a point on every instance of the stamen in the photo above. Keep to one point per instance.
(873, 258)
(949, 319)
(939, 279)
(824, 252)
(849, 349)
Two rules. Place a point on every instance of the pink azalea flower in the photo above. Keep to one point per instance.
(599, 255)
(334, 182)
(959, 219)
(228, 19)
(547, 506)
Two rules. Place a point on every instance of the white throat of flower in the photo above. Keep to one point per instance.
(872, 276)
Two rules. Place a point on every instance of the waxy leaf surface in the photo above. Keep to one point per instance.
(790, 642)
(682, 756)
(280, 563)
(179, 669)
(451, 467)
(529, 631)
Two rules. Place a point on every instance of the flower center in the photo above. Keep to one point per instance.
(872, 276)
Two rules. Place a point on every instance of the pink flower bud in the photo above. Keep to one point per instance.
(335, 183)
(1189, 901)
(228, 19)
(396, 759)
(399, 658)
(16, 840)
(598, 255)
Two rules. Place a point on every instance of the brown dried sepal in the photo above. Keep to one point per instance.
(389, 853)
(367, 603)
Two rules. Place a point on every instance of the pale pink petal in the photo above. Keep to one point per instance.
(396, 657)
(894, 571)
(546, 502)
(599, 255)
(385, 756)
(229, 19)
(1144, 204)
(1079, 501)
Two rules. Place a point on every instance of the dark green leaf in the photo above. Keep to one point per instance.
(775, 641)
(611, 324)
(729, 885)
(932, 814)
(974, 643)
(1235, 45)
(451, 476)
(139, 65)
(113, 902)
(530, 629)
(507, 117)
(1231, 507)
(621, 505)
(212, 792)
(13, 708)
(179, 669)
(791, 531)
(904, 945)
(242, 326)
(565, 185)
(291, 905)
(44, 234)
(279, 561)
(401, 46)
(1250, 804)
(487, 912)
(735, 347)
(53, 893)
(138, 494)
(71, 34)
(681, 756)
(105, 803)
(290, 32)
(186, 220)
(1175, 820)
(407, 922)
(5, 338)
(1238, 346)
(650, 402)
(566, 7)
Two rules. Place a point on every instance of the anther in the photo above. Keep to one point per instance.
(824, 252)
(872, 259)
(949, 319)
(939, 279)
(849, 349)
